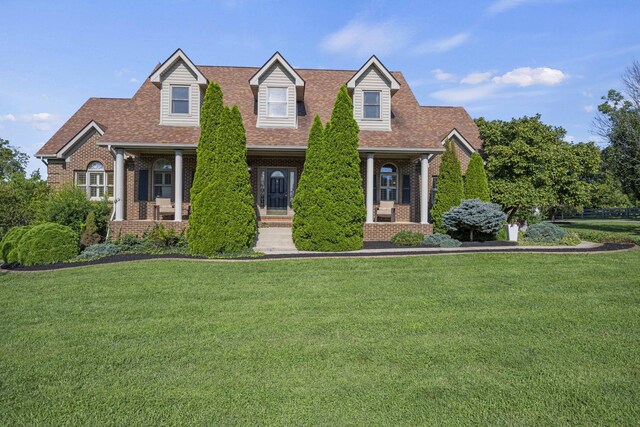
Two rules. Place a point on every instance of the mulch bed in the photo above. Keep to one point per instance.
(496, 248)
(487, 244)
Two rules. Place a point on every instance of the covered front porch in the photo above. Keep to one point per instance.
(148, 177)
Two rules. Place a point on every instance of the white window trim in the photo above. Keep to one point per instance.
(188, 113)
(372, 119)
(286, 102)
(163, 171)
(87, 186)
(396, 174)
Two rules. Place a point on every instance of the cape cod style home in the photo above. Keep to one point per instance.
(141, 151)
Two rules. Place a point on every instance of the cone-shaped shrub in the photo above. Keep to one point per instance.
(340, 196)
(223, 218)
(476, 185)
(89, 234)
(450, 191)
(306, 219)
(210, 112)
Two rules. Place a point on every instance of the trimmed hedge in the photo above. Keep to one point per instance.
(47, 243)
(407, 238)
(9, 244)
(476, 185)
(450, 188)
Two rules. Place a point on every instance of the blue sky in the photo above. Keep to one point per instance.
(499, 59)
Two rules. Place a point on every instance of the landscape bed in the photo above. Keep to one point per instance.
(526, 339)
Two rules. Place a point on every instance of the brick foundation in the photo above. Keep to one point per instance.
(138, 227)
(384, 231)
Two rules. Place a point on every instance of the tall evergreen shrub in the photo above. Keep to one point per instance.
(307, 218)
(450, 190)
(223, 218)
(476, 185)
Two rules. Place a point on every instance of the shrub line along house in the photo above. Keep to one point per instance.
(138, 149)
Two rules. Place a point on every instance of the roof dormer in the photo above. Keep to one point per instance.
(372, 87)
(180, 84)
(277, 89)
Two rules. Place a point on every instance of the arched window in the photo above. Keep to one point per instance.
(389, 182)
(95, 181)
(162, 178)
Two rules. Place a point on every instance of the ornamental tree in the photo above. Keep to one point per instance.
(308, 218)
(476, 185)
(223, 218)
(450, 190)
(210, 115)
(475, 215)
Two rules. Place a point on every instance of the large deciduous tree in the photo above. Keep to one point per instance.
(618, 122)
(450, 187)
(12, 160)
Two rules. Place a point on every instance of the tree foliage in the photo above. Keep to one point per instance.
(12, 160)
(68, 206)
(22, 201)
(89, 234)
(530, 165)
(223, 218)
(210, 116)
(475, 216)
(618, 122)
(450, 187)
(476, 185)
(308, 217)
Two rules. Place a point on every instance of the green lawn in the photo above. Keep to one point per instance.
(517, 339)
(606, 230)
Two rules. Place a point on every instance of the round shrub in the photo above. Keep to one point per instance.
(442, 241)
(545, 232)
(407, 238)
(47, 243)
(99, 251)
(475, 216)
(9, 244)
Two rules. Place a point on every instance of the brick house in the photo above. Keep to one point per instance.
(137, 149)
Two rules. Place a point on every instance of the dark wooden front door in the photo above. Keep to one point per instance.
(277, 192)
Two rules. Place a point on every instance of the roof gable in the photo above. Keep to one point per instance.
(177, 56)
(299, 82)
(461, 139)
(374, 62)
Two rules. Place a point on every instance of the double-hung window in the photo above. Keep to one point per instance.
(277, 102)
(162, 179)
(371, 104)
(389, 183)
(179, 99)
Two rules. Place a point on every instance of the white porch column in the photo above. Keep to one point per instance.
(369, 195)
(178, 183)
(424, 189)
(119, 182)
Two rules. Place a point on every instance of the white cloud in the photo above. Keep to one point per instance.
(442, 76)
(362, 38)
(527, 76)
(500, 6)
(589, 108)
(476, 78)
(8, 118)
(462, 95)
(442, 45)
(39, 121)
(134, 80)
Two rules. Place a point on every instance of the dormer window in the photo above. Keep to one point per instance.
(371, 104)
(277, 102)
(179, 99)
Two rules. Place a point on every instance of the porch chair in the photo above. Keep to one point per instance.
(164, 207)
(386, 210)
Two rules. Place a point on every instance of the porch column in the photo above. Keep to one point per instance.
(424, 189)
(178, 184)
(369, 195)
(119, 181)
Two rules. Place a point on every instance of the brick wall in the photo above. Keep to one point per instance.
(138, 227)
(381, 231)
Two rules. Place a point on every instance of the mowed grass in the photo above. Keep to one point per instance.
(524, 339)
(605, 230)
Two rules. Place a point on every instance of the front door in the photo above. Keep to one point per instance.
(277, 192)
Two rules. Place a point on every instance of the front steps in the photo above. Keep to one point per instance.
(275, 221)
(273, 240)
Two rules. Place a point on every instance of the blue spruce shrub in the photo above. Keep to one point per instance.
(99, 251)
(475, 216)
(442, 241)
(545, 232)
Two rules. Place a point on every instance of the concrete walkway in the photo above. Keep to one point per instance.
(275, 240)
